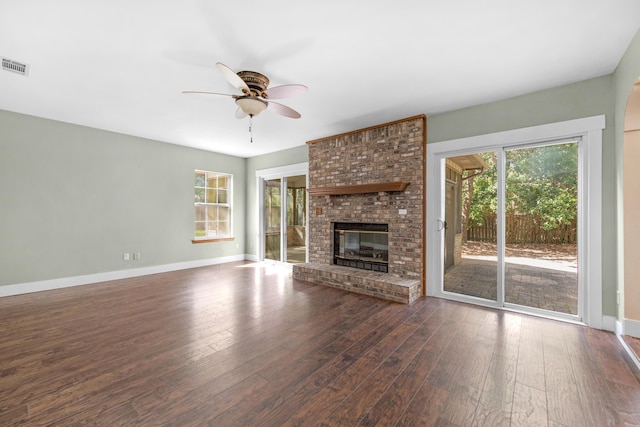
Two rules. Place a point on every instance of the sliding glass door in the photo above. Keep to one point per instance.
(283, 216)
(542, 188)
(510, 227)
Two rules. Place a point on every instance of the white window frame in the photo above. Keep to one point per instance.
(228, 204)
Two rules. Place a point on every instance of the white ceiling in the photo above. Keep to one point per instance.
(121, 65)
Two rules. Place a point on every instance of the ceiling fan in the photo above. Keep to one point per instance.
(256, 94)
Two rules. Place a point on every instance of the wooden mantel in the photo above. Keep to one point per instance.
(359, 189)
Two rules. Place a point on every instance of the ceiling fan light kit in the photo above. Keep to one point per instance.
(251, 105)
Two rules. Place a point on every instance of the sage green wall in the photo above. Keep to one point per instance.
(291, 156)
(583, 99)
(626, 74)
(74, 199)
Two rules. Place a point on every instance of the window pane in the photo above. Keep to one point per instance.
(211, 196)
(200, 229)
(470, 260)
(223, 228)
(201, 212)
(223, 213)
(223, 181)
(541, 268)
(300, 199)
(200, 195)
(212, 213)
(211, 181)
(212, 229)
(200, 179)
(222, 196)
(290, 218)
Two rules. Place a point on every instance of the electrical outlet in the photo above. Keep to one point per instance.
(126, 256)
(136, 255)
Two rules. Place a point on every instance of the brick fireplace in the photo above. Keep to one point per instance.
(369, 176)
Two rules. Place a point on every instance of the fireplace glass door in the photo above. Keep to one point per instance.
(364, 246)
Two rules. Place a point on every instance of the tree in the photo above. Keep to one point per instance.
(543, 181)
(482, 193)
(540, 181)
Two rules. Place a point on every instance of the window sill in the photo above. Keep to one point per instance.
(222, 239)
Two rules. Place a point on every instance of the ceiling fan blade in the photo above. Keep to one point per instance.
(209, 93)
(283, 110)
(233, 78)
(240, 114)
(285, 91)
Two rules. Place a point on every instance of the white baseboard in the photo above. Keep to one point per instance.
(66, 282)
(609, 323)
(631, 328)
(620, 330)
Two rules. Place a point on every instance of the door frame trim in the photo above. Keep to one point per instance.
(590, 240)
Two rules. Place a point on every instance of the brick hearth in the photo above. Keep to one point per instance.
(388, 153)
(370, 283)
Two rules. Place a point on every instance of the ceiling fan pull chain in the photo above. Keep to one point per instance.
(250, 125)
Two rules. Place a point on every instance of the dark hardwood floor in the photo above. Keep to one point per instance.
(243, 344)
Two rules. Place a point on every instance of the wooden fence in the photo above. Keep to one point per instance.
(523, 229)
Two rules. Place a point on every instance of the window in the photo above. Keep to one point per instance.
(212, 206)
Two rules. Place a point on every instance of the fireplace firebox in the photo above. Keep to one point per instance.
(361, 245)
